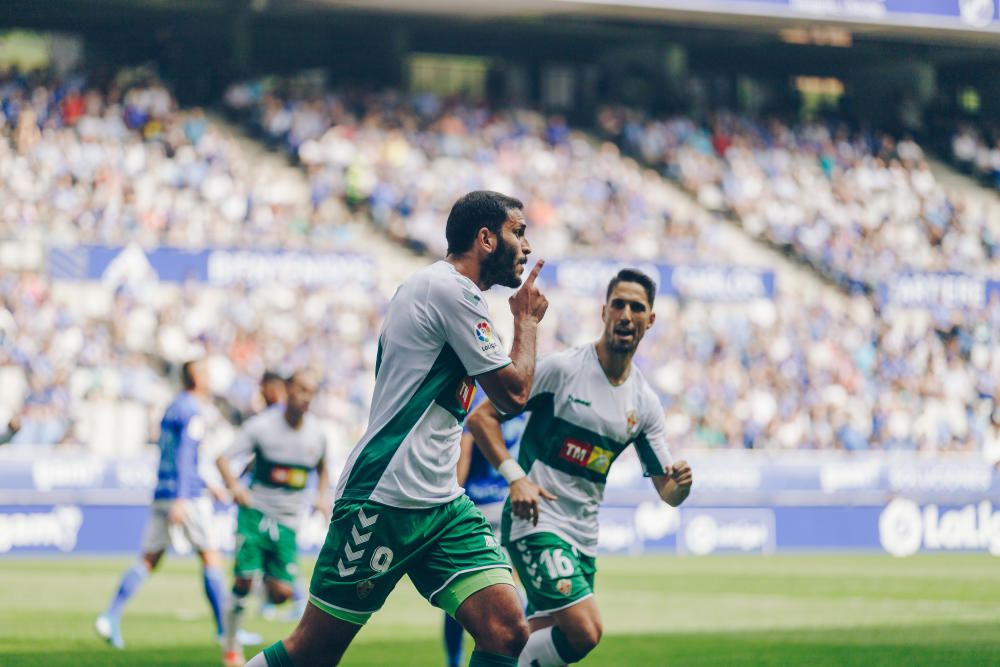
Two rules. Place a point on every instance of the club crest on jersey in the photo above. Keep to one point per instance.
(586, 455)
(631, 420)
(484, 334)
(365, 587)
(564, 586)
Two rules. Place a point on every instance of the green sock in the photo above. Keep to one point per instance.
(277, 656)
(484, 659)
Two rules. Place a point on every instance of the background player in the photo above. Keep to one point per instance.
(587, 405)
(487, 489)
(286, 445)
(399, 507)
(179, 502)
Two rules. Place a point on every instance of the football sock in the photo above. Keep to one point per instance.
(234, 619)
(484, 659)
(274, 655)
(213, 591)
(454, 633)
(131, 582)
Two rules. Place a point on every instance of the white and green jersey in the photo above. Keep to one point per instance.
(282, 459)
(578, 423)
(436, 334)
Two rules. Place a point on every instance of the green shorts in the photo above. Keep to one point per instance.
(554, 573)
(449, 552)
(264, 546)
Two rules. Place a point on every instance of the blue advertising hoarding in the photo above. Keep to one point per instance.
(742, 503)
(972, 15)
(694, 282)
(119, 265)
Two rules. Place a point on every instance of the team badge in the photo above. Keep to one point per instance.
(365, 587)
(483, 332)
(564, 586)
(631, 419)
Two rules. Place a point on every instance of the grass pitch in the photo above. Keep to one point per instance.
(733, 611)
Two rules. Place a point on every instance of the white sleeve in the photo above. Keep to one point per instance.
(242, 446)
(461, 317)
(651, 444)
(548, 374)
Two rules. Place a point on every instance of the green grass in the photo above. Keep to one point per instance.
(783, 610)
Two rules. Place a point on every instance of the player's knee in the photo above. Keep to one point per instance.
(278, 592)
(511, 635)
(242, 586)
(585, 637)
(152, 560)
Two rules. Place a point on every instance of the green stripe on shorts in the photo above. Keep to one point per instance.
(460, 590)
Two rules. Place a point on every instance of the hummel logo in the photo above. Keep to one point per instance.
(366, 520)
(345, 571)
(353, 555)
(578, 401)
(358, 538)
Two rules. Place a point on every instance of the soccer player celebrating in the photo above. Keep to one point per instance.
(179, 503)
(588, 404)
(286, 445)
(399, 509)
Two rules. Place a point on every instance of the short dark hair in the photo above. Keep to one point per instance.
(271, 376)
(478, 209)
(633, 276)
(187, 373)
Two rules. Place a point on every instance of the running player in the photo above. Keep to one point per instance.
(179, 503)
(587, 405)
(399, 509)
(487, 489)
(286, 444)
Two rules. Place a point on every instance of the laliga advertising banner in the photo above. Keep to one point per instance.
(743, 502)
(695, 282)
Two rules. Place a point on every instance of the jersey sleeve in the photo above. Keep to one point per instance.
(651, 445)
(188, 476)
(461, 317)
(550, 371)
(242, 446)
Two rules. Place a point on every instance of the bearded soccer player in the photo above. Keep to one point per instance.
(587, 405)
(286, 445)
(399, 509)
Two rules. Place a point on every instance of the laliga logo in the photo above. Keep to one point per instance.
(977, 13)
(483, 332)
(903, 528)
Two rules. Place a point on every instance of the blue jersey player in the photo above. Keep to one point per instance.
(488, 490)
(180, 505)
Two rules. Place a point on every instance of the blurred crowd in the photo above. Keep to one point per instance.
(860, 207)
(975, 150)
(406, 159)
(116, 161)
(801, 371)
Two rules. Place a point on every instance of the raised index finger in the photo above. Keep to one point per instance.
(530, 280)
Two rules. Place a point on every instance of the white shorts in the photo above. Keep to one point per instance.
(194, 532)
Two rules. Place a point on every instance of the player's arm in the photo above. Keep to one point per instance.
(675, 486)
(510, 387)
(525, 495)
(671, 479)
(322, 503)
(242, 445)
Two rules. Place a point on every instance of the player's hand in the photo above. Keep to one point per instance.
(322, 505)
(218, 493)
(524, 497)
(681, 473)
(528, 301)
(177, 511)
(241, 495)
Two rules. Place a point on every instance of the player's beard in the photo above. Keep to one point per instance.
(499, 268)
